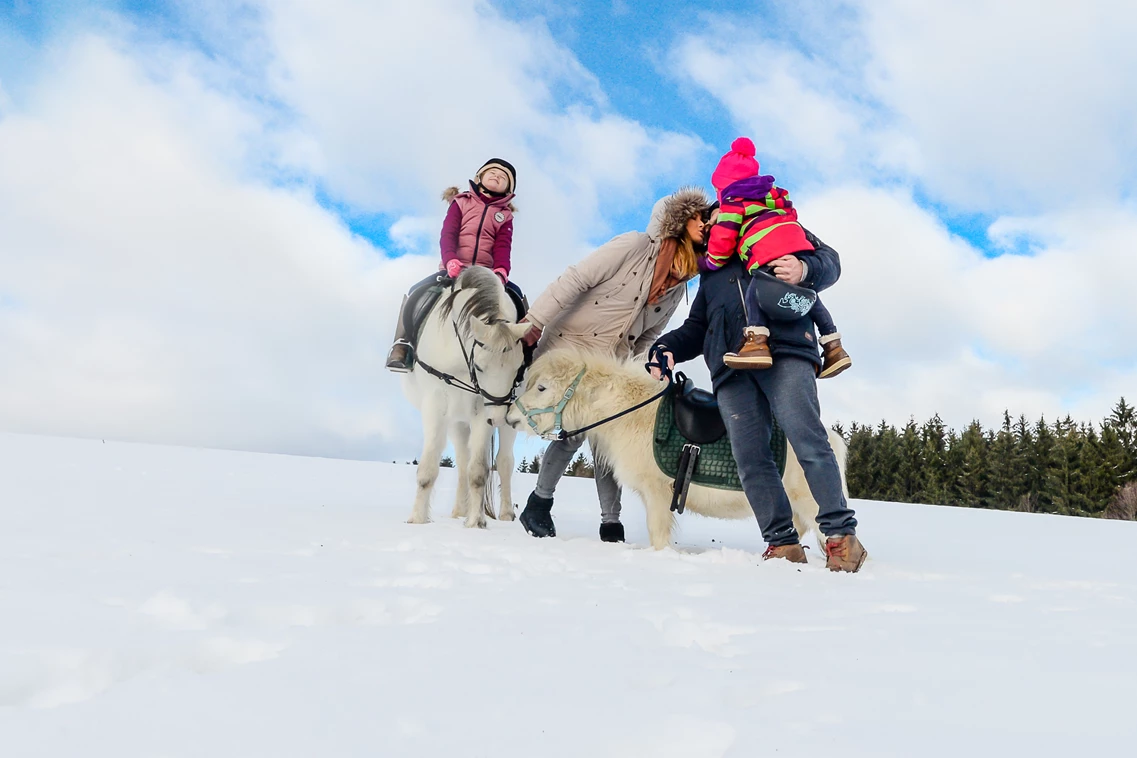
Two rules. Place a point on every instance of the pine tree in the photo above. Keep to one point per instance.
(1098, 487)
(1044, 466)
(934, 481)
(1022, 476)
(523, 467)
(971, 478)
(912, 473)
(580, 466)
(860, 474)
(1123, 418)
(886, 465)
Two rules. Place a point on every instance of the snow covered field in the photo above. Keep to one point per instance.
(176, 602)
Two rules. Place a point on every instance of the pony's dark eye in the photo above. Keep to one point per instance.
(540, 388)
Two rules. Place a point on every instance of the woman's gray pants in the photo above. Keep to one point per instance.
(558, 455)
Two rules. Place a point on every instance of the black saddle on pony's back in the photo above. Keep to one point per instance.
(697, 412)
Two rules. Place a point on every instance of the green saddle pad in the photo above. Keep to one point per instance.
(716, 467)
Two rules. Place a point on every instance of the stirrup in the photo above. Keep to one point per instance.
(408, 365)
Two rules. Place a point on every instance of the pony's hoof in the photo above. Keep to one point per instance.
(506, 515)
(417, 520)
(476, 524)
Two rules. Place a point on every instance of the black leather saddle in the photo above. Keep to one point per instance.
(696, 412)
(519, 300)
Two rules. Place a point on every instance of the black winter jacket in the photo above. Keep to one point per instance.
(717, 317)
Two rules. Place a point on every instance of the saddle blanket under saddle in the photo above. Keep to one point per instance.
(690, 415)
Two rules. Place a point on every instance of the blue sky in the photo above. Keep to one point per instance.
(285, 159)
(624, 45)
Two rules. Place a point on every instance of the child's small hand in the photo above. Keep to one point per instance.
(454, 268)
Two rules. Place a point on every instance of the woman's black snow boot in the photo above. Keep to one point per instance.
(612, 532)
(536, 518)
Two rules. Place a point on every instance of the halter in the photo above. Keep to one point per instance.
(558, 409)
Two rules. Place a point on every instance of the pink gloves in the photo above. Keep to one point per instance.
(454, 268)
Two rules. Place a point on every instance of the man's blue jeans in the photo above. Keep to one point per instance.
(788, 391)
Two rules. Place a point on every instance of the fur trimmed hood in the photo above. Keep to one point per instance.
(450, 193)
(670, 214)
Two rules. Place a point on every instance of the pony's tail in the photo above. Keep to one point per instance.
(841, 452)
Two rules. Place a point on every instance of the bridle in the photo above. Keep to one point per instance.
(473, 386)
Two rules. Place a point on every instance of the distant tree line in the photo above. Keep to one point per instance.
(1070, 468)
(580, 466)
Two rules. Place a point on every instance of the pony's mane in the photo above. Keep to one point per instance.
(484, 302)
(600, 367)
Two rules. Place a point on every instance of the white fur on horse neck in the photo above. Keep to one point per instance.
(482, 311)
(609, 385)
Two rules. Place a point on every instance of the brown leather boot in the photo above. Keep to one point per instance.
(754, 353)
(400, 359)
(794, 553)
(845, 553)
(834, 358)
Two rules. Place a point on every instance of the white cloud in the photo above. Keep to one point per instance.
(158, 296)
(166, 273)
(788, 104)
(1020, 111)
(989, 107)
(1012, 103)
(934, 326)
(452, 85)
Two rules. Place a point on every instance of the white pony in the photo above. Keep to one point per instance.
(607, 387)
(466, 362)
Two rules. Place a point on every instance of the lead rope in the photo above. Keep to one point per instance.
(563, 435)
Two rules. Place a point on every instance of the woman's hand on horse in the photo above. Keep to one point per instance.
(788, 268)
(533, 335)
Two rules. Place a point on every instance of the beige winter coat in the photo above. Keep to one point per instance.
(600, 304)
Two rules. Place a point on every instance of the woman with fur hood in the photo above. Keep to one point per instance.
(616, 301)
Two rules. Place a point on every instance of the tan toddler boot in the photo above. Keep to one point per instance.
(754, 353)
(833, 356)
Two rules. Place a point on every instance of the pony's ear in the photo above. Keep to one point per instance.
(519, 330)
(480, 330)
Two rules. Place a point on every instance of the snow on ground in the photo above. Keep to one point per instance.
(176, 602)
